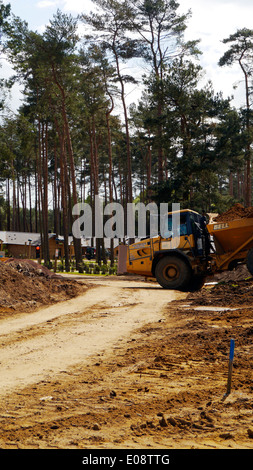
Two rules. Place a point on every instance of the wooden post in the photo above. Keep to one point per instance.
(231, 357)
(29, 252)
(55, 259)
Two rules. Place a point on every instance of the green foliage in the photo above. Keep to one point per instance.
(241, 48)
(202, 137)
(104, 269)
(184, 140)
(4, 14)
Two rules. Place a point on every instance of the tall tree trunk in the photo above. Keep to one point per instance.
(45, 193)
(36, 193)
(17, 221)
(248, 145)
(14, 215)
(64, 192)
(159, 140)
(8, 226)
(158, 69)
(55, 193)
(95, 173)
(30, 203)
(109, 138)
(149, 166)
(77, 241)
(40, 191)
(128, 147)
(231, 184)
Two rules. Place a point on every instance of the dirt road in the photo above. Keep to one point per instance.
(125, 365)
(35, 346)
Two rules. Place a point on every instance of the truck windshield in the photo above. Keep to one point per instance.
(178, 230)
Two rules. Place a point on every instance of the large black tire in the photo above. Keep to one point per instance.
(196, 283)
(172, 272)
(250, 261)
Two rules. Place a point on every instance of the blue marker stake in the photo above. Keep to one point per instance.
(231, 357)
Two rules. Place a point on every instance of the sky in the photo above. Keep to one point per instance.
(211, 22)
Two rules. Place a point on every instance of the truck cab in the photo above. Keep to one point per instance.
(177, 256)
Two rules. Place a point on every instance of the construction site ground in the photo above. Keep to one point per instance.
(118, 362)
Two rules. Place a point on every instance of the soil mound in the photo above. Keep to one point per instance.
(239, 274)
(228, 294)
(31, 268)
(238, 211)
(26, 285)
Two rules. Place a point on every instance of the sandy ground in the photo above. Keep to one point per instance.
(126, 365)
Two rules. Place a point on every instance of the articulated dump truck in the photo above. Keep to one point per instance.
(200, 250)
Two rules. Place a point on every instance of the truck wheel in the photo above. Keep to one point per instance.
(250, 261)
(173, 272)
(196, 283)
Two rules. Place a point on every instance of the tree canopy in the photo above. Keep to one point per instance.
(75, 136)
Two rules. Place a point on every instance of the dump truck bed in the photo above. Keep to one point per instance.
(229, 236)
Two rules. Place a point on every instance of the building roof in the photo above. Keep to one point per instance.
(22, 238)
(19, 238)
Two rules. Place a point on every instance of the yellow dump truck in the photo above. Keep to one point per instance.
(183, 260)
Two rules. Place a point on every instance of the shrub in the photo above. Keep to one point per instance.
(97, 269)
(72, 266)
(86, 268)
(104, 269)
(61, 267)
(80, 267)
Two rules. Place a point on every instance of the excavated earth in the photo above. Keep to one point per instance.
(25, 285)
(123, 363)
(238, 211)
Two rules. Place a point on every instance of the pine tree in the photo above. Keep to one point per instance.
(241, 51)
(161, 29)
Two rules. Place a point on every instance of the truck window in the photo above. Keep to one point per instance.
(181, 230)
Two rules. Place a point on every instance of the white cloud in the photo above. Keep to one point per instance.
(15, 96)
(212, 21)
(47, 3)
(68, 6)
(78, 6)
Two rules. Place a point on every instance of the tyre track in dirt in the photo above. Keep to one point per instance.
(36, 346)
